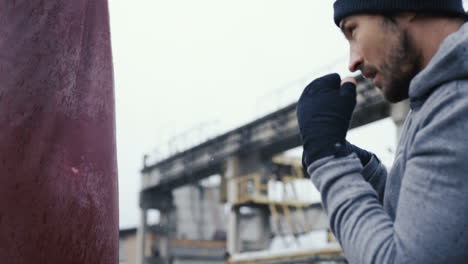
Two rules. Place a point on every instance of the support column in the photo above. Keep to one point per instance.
(265, 228)
(232, 170)
(164, 242)
(239, 166)
(141, 237)
(398, 113)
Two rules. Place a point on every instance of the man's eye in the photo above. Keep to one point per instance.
(351, 30)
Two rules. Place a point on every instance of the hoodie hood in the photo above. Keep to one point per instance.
(450, 63)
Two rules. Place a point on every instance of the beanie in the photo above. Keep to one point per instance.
(344, 8)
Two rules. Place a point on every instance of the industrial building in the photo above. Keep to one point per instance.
(215, 200)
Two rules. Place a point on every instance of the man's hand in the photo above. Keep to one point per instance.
(324, 113)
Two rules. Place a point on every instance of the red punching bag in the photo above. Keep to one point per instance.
(58, 177)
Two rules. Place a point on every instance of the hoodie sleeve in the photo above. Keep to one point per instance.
(431, 223)
(375, 174)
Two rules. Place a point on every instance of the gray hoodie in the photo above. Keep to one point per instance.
(417, 214)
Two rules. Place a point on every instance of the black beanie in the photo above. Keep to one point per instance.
(344, 8)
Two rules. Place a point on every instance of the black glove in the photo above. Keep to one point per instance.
(362, 154)
(324, 113)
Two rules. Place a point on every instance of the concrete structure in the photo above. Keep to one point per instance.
(200, 213)
(172, 185)
(182, 251)
(191, 227)
(128, 245)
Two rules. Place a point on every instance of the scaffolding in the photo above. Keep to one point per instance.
(287, 214)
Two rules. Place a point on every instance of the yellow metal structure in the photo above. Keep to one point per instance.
(253, 191)
(252, 188)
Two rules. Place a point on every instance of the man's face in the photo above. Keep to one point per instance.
(383, 51)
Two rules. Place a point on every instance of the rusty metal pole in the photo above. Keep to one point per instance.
(58, 177)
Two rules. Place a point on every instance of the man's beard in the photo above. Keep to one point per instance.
(403, 64)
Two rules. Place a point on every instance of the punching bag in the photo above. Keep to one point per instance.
(58, 177)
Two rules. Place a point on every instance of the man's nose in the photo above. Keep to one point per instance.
(355, 59)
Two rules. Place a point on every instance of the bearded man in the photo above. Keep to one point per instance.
(418, 212)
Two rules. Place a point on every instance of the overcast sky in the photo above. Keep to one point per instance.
(207, 66)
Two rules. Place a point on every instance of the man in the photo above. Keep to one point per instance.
(418, 213)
